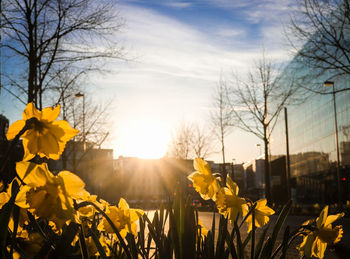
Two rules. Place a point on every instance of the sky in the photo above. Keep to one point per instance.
(177, 52)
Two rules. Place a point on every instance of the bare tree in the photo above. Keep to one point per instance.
(256, 102)
(82, 113)
(189, 141)
(42, 38)
(181, 141)
(221, 116)
(202, 142)
(324, 29)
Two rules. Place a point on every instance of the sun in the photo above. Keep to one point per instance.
(144, 139)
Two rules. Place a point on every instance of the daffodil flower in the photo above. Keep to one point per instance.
(202, 230)
(92, 249)
(203, 180)
(261, 214)
(122, 217)
(4, 198)
(228, 202)
(46, 195)
(316, 241)
(46, 137)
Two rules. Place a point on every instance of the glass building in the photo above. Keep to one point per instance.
(312, 141)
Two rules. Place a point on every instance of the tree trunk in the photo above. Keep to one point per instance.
(223, 153)
(267, 171)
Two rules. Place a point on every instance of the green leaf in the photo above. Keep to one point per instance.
(83, 249)
(231, 245)
(259, 245)
(285, 242)
(240, 248)
(5, 218)
(99, 247)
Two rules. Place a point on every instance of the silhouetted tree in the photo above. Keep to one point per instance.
(189, 140)
(43, 38)
(256, 102)
(221, 116)
(323, 29)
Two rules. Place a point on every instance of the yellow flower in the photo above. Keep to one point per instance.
(4, 198)
(203, 180)
(88, 211)
(46, 195)
(228, 202)
(262, 213)
(122, 217)
(92, 249)
(202, 230)
(30, 245)
(316, 241)
(46, 137)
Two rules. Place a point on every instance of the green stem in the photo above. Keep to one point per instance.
(86, 203)
(253, 234)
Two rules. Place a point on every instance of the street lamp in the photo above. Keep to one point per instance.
(79, 95)
(331, 84)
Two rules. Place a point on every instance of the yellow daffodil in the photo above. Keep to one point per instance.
(88, 211)
(202, 230)
(261, 214)
(316, 241)
(92, 249)
(122, 217)
(46, 195)
(47, 137)
(203, 180)
(228, 202)
(4, 198)
(30, 245)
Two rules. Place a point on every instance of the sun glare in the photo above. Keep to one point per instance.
(145, 139)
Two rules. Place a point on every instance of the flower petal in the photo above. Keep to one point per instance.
(14, 129)
(201, 166)
(50, 113)
(30, 111)
(21, 198)
(4, 198)
(331, 218)
(33, 174)
(73, 184)
(232, 185)
(123, 204)
(322, 218)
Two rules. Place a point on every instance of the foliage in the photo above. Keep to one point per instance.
(52, 216)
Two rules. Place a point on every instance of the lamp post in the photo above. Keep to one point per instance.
(339, 192)
(79, 95)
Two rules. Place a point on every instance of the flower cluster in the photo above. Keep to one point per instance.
(315, 241)
(58, 199)
(226, 198)
(316, 238)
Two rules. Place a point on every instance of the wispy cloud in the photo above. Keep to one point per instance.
(176, 70)
(178, 4)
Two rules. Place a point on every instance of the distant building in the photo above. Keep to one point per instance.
(148, 182)
(236, 172)
(254, 182)
(312, 145)
(93, 165)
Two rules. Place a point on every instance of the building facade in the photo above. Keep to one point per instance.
(312, 142)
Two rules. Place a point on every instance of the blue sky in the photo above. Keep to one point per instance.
(178, 50)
